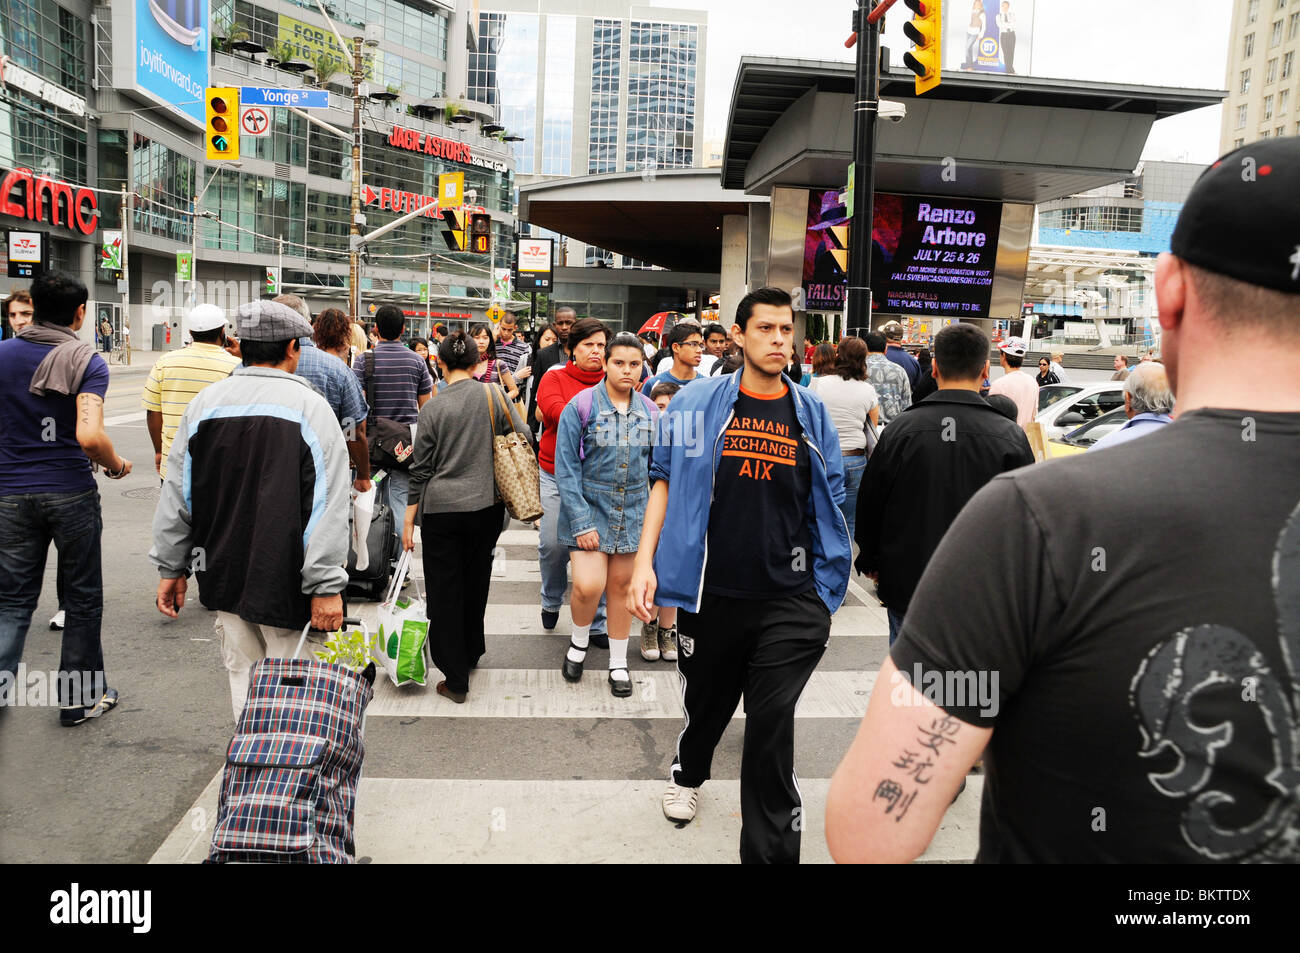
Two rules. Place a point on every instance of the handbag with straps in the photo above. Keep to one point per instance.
(514, 465)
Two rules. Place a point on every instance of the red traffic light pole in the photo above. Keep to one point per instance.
(865, 109)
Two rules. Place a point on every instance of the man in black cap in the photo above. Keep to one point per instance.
(256, 501)
(1138, 699)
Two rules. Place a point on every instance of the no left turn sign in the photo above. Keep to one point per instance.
(255, 121)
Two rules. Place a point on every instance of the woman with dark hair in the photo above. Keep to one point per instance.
(558, 386)
(855, 410)
(490, 369)
(453, 486)
(602, 469)
(1045, 373)
(925, 383)
(421, 347)
(823, 360)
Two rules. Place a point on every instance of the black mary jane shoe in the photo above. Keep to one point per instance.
(618, 687)
(572, 670)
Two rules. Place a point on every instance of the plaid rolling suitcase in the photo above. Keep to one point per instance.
(289, 790)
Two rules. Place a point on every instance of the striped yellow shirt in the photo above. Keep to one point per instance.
(176, 378)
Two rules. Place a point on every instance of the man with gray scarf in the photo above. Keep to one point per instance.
(52, 387)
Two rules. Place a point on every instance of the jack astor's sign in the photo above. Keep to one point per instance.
(41, 199)
(430, 145)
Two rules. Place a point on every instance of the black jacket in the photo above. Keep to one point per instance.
(931, 459)
(541, 362)
(924, 387)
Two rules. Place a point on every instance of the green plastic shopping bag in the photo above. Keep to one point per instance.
(403, 630)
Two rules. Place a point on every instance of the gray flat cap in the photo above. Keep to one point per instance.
(268, 321)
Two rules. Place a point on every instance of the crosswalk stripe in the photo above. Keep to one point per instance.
(550, 822)
(135, 417)
(516, 619)
(543, 693)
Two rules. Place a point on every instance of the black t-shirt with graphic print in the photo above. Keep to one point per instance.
(760, 543)
(1138, 653)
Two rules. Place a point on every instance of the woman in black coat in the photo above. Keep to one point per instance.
(1045, 374)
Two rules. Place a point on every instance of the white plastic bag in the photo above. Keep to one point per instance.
(403, 630)
(363, 509)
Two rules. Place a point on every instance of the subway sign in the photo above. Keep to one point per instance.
(412, 140)
(42, 199)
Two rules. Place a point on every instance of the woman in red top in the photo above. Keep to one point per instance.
(558, 386)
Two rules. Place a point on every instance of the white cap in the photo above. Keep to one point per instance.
(205, 317)
(1014, 346)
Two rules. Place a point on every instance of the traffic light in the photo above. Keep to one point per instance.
(480, 233)
(221, 135)
(454, 232)
(925, 30)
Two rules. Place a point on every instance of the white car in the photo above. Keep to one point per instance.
(1078, 407)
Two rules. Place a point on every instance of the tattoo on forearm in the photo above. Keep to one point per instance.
(916, 766)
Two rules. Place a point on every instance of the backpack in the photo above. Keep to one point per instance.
(583, 402)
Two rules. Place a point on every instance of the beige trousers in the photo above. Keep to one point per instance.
(244, 643)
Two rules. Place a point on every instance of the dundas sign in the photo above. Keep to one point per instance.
(415, 141)
(72, 207)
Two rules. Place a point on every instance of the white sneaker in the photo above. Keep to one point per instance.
(56, 622)
(679, 802)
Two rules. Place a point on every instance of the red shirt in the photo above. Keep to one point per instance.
(557, 387)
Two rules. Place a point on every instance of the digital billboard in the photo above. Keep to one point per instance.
(988, 36)
(930, 255)
(171, 53)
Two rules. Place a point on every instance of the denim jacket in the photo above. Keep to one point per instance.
(608, 490)
(687, 454)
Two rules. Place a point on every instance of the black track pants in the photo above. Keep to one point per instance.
(764, 650)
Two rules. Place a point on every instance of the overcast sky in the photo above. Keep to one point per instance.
(1151, 42)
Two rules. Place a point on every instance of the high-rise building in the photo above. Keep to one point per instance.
(1263, 79)
(592, 85)
(97, 97)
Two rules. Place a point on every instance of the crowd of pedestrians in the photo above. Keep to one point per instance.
(700, 489)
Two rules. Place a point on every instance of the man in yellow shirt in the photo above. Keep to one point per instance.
(181, 374)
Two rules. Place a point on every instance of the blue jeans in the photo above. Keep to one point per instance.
(895, 625)
(398, 485)
(28, 523)
(854, 467)
(553, 556)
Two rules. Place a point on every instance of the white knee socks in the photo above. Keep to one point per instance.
(581, 637)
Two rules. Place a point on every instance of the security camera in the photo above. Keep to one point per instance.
(893, 111)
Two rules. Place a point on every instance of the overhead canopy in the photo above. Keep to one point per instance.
(1011, 138)
(670, 217)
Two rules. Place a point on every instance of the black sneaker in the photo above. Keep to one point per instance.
(68, 717)
(550, 619)
(600, 640)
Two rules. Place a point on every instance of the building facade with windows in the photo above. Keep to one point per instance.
(285, 205)
(592, 87)
(1263, 80)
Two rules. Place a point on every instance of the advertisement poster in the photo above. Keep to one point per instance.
(988, 36)
(930, 256)
(110, 255)
(501, 284)
(171, 53)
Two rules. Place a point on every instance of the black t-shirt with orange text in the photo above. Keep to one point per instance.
(760, 542)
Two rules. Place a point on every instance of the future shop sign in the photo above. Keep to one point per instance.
(79, 205)
(414, 141)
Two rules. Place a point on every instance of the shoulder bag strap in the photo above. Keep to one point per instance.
(370, 380)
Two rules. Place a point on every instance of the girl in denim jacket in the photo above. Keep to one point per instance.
(602, 467)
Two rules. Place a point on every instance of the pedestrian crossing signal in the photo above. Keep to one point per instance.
(221, 132)
(480, 233)
(925, 30)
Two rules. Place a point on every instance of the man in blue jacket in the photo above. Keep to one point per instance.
(746, 479)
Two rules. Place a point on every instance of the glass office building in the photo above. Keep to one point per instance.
(609, 92)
